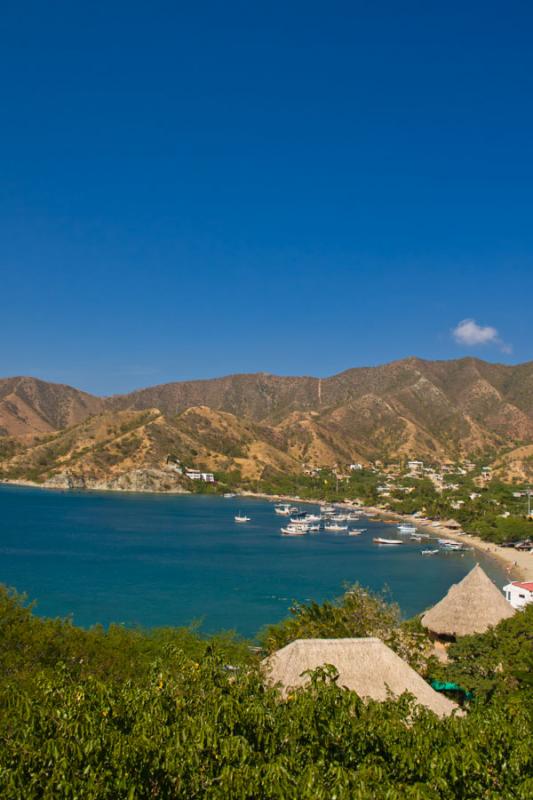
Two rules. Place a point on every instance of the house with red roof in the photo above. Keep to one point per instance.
(519, 593)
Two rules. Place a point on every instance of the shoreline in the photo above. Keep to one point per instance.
(517, 564)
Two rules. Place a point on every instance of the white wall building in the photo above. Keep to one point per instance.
(196, 475)
(519, 593)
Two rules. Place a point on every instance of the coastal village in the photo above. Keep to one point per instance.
(458, 490)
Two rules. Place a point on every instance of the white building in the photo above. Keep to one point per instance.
(519, 593)
(196, 475)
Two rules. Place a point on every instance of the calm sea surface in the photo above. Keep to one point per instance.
(163, 560)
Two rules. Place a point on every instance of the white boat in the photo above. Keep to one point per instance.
(353, 517)
(326, 509)
(429, 552)
(356, 531)
(294, 530)
(339, 518)
(285, 509)
(241, 517)
(335, 527)
(406, 529)
(229, 494)
(379, 540)
(303, 516)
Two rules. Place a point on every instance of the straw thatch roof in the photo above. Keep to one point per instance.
(366, 666)
(471, 606)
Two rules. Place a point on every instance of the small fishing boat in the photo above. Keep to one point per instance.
(380, 540)
(406, 529)
(285, 509)
(228, 495)
(294, 530)
(356, 531)
(335, 527)
(241, 517)
(339, 518)
(429, 552)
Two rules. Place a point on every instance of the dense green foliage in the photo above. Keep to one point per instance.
(494, 664)
(125, 714)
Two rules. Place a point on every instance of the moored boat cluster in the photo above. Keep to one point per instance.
(328, 519)
(332, 519)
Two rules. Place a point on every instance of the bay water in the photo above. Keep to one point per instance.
(151, 560)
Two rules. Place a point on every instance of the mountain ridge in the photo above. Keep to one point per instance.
(435, 409)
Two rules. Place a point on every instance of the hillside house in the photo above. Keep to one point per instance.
(519, 593)
(197, 475)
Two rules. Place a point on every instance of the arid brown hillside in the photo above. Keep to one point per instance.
(428, 408)
(408, 406)
(30, 406)
(111, 449)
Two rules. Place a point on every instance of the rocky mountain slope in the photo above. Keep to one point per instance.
(29, 406)
(140, 450)
(433, 409)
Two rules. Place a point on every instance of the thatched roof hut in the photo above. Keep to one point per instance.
(366, 666)
(471, 606)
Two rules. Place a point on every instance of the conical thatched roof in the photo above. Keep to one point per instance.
(471, 606)
(366, 666)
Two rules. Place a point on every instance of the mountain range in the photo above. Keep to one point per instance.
(258, 422)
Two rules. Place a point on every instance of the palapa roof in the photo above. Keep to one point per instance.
(471, 606)
(366, 666)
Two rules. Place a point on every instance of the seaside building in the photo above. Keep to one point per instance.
(471, 606)
(197, 475)
(366, 666)
(519, 593)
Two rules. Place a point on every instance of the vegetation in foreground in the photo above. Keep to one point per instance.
(170, 714)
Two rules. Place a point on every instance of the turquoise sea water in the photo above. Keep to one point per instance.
(164, 560)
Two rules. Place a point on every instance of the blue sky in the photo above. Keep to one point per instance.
(189, 190)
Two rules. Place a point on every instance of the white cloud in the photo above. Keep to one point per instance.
(469, 333)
